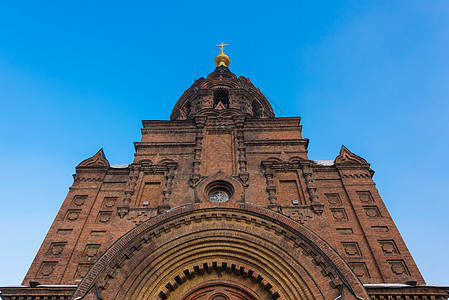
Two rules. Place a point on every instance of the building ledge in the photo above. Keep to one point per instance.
(40, 292)
(384, 291)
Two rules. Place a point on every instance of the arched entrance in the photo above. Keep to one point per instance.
(232, 250)
(220, 290)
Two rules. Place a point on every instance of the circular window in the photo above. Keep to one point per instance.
(219, 196)
(219, 191)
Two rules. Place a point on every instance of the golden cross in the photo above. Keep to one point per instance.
(222, 45)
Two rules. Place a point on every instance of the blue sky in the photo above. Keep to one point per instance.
(77, 76)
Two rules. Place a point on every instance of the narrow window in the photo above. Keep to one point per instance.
(221, 95)
(186, 109)
(257, 109)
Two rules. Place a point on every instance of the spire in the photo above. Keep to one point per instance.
(222, 59)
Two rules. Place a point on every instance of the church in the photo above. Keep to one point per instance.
(221, 202)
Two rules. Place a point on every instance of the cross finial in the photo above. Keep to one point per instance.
(222, 46)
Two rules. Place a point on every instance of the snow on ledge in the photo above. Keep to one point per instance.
(324, 162)
(396, 285)
(119, 166)
(41, 285)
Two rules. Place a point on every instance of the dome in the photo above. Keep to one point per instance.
(222, 60)
(222, 92)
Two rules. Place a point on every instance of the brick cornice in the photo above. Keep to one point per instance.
(41, 292)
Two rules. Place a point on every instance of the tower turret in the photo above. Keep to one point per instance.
(222, 92)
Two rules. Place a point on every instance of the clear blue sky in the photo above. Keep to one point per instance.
(77, 76)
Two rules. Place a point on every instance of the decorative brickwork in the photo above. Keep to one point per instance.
(219, 228)
(46, 268)
(56, 248)
(352, 249)
(223, 200)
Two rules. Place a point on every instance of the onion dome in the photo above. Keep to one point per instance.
(222, 93)
(222, 59)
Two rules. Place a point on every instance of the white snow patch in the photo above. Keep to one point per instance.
(119, 166)
(324, 162)
(397, 285)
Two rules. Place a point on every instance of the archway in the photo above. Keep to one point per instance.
(220, 290)
(262, 253)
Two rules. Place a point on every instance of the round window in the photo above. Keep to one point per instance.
(219, 191)
(219, 195)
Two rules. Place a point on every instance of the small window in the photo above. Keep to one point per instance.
(219, 191)
(186, 109)
(257, 109)
(221, 95)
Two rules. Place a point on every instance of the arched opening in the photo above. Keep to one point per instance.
(240, 249)
(220, 290)
(221, 95)
(257, 109)
(185, 110)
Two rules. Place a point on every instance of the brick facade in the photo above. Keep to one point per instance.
(327, 215)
